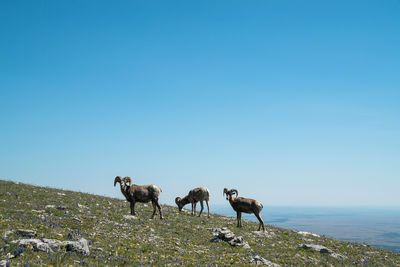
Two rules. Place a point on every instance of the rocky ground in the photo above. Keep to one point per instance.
(45, 226)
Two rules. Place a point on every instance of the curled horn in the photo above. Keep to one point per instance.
(177, 200)
(128, 179)
(225, 191)
(117, 180)
(235, 191)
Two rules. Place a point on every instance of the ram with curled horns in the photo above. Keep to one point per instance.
(139, 193)
(246, 205)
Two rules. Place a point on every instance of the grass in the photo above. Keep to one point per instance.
(179, 239)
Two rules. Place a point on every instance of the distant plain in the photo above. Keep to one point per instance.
(378, 227)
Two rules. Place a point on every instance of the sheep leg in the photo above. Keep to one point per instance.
(194, 209)
(261, 222)
(132, 207)
(208, 209)
(159, 209)
(154, 208)
(239, 219)
(202, 207)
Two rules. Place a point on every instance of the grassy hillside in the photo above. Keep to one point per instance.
(179, 239)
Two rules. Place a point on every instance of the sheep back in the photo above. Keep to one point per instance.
(246, 205)
(145, 193)
(199, 194)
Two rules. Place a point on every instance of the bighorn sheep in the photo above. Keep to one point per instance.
(194, 196)
(246, 205)
(139, 193)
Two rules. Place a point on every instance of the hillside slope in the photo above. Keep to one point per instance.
(179, 239)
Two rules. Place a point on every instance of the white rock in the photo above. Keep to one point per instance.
(129, 217)
(36, 244)
(308, 233)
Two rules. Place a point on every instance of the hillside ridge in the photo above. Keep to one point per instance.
(48, 226)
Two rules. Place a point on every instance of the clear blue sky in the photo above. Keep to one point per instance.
(291, 102)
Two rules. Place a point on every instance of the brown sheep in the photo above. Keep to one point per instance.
(139, 193)
(195, 195)
(246, 205)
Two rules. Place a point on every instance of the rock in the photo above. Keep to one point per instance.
(38, 211)
(318, 248)
(49, 245)
(129, 217)
(76, 220)
(82, 206)
(224, 234)
(80, 246)
(323, 250)
(370, 252)
(338, 256)
(59, 207)
(53, 243)
(257, 260)
(61, 194)
(308, 233)
(36, 244)
(10, 256)
(7, 233)
(27, 233)
(264, 233)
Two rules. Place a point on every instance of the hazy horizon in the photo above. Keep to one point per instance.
(292, 103)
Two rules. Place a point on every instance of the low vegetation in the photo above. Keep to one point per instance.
(116, 238)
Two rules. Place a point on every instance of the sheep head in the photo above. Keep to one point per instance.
(117, 180)
(179, 203)
(229, 193)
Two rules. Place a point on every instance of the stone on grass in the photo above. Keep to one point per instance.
(80, 246)
(257, 260)
(319, 248)
(129, 217)
(49, 245)
(307, 233)
(323, 250)
(75, 219)
(27, 233)
(224, 234)
(38, 245)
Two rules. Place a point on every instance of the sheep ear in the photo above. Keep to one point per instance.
(225, 191)
(117, 180)
(177, 200)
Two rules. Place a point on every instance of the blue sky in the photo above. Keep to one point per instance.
(291, 102)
